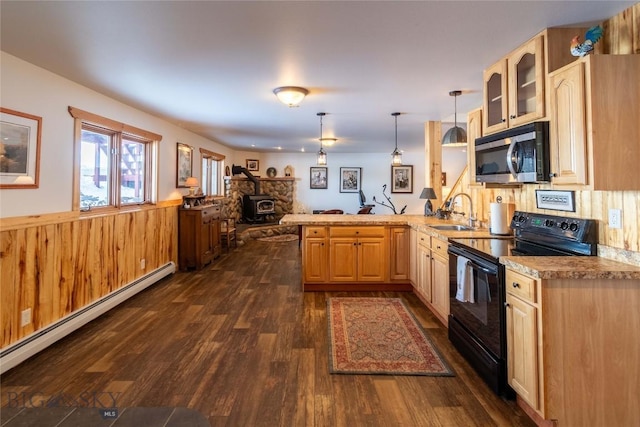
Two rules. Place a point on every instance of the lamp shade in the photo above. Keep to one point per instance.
(456, 135)
(291, 96)
(191, 182)
(428, 193)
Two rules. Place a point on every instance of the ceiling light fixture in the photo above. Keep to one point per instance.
(396, 159)
(322, 156)
(456, 136)
(291, 96)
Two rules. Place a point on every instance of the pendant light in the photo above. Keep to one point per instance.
(396, 159)
(322, 156)
(456, 135)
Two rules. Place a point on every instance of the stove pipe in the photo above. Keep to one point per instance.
(236, 170)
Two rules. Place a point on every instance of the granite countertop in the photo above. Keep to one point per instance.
(578, 267)
(534, 266)
(419, 222)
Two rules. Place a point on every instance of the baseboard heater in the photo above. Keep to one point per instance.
(21, 350)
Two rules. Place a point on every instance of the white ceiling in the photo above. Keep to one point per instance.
(211, 66)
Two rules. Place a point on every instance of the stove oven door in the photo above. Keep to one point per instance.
(479, 310)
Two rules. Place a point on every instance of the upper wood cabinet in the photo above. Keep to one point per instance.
(594, 129)
(514, 87)
(474, 130)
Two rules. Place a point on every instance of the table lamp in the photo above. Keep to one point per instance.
(428, 193)
(192, 183)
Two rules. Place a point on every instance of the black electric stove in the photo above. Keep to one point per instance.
(477, 321)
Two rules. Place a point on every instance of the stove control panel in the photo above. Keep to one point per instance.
(582, 230)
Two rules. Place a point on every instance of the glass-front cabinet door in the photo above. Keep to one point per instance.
(526, 83)
(495, 97)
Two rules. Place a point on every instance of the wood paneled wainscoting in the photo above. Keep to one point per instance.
(58, 264)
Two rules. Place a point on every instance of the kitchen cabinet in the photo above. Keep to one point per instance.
(594, 130)
(315, 252)
(357, 254)
(514, 87)
(355, 257)
(522, 337)
(474, 130)
(433, 275)
(413, 256)
(573, 346)
(399, 253)
(199, 236)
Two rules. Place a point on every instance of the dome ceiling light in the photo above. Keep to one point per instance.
(290, 96)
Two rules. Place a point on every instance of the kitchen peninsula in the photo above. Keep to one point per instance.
(364, 252)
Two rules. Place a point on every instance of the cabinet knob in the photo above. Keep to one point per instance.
(513, 116)
(515, 284)
(354, 243)
(504, 120)
(506, 304)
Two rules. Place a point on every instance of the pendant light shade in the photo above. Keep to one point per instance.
(291, 96)
(396, 156)
(322, 155)
(456, 135)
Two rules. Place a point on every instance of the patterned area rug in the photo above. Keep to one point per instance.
(379, 336)
(279, 238)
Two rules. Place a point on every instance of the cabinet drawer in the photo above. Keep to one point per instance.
(439, 246)
(212, 212)
(521, 286)
(357, 231)
(315, 232)
(424, 240)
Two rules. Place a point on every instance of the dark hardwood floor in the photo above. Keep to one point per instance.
(240, 343)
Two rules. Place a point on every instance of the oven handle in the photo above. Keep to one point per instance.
(481, 268)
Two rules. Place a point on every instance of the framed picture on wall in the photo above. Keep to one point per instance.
(20, 149)
(253, 165)
(402, 179)
(317, 177)
(350, 180)
(184, 168)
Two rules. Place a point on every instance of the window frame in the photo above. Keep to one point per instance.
(212, 157)
(119, 132)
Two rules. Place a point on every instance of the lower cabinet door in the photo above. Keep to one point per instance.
(343, 259)
(522, 349)
(315, 260)
(371, 260)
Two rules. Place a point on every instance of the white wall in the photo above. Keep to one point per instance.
(30, 89)
(376, 171)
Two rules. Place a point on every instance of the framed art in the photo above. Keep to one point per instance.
(184, 168)
(20, 134)
(253, 165)
(402, 179)
(350, 180)
(317, 177)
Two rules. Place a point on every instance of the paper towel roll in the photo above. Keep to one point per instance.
(500, 218)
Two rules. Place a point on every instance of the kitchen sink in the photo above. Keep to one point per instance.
(452, 227)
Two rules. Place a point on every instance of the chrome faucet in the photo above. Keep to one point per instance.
(472, 217)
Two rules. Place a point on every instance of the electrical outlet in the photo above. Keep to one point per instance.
(25, 317)
(615, 218)
(143, 263)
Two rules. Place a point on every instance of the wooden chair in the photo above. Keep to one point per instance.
(228, 232)
(365, 210)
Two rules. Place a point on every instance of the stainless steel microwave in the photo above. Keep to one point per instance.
(516, 155)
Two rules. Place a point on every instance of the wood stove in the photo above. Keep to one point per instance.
(255, 207)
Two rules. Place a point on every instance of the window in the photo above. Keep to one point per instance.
(212, 165)
(115, 163)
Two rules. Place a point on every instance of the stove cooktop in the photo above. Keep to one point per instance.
(492, 247)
